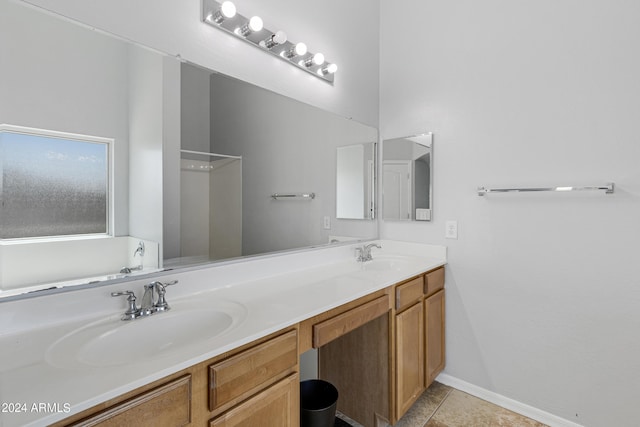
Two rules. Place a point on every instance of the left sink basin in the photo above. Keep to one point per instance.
(112, 342)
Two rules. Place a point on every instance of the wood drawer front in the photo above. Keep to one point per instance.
(329, 330)
(434, 281)
(246, 373)
(169, 404)
(408, 293)
(277, 406)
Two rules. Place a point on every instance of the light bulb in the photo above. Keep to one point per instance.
(300, 49)
(226, 11)
(278, 38)
(329, 69)
(297, 50)
(317, 59)
(255, 23)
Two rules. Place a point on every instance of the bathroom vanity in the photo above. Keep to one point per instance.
(384, 316)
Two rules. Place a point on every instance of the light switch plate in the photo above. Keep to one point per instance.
(451, 231)
(327, 223)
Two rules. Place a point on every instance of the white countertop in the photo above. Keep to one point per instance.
(269, 293)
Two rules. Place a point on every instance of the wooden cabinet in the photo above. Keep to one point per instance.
(166, 405)
(238, 377)
(435, 344)
(409, 357)
(256, 384)
(409, 292)
(383, 366)
(331, 329)
(434, 324)
(276, 406)
(381, 351)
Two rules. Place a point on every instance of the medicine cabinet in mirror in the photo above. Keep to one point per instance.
(197, 155)
(355, 181)
(407, 178)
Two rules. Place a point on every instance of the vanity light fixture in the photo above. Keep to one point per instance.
(299, 49)
(278, 38)
(317, 59)
(227, 10)
(254, 25)
(329, 69)
(224, 16)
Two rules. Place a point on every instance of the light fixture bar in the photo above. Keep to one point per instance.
(274, 42)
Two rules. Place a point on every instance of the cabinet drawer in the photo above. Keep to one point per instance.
(434, 281)
(169, 404)
(408, 293)
(277, 406)
(241, 375)
(329, 330)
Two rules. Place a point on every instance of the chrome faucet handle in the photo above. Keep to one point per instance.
(161, 304)
(133, 311)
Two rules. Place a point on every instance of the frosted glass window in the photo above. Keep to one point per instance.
(52, 185)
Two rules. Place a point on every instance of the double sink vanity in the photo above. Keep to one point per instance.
(227, 353)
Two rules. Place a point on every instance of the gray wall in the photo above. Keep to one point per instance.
(171, 137)
(327, 27)
(146, 114)
(542, 289)
(67, 78)
(195, 109)
(281, 154)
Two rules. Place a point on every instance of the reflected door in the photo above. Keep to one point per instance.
(397, 189)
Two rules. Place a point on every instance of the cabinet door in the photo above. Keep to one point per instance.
(277, 406)
(167, 405)
(409, 357)
(434, 324)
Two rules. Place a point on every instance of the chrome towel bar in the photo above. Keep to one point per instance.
(607, 188)
(305, 196)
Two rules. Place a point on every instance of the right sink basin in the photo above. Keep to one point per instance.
(387, 263)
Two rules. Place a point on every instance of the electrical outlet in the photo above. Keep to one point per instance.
(451, 231)
(327, 223)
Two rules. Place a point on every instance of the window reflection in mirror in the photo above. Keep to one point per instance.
(355, 181)
(407, 176)
(53, 183)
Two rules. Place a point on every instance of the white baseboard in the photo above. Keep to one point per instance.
(505, 402)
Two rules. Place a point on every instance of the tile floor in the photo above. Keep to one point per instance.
(444, 406)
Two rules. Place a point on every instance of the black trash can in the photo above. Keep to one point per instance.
(318, 401)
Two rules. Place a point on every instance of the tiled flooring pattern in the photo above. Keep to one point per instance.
(443, 406)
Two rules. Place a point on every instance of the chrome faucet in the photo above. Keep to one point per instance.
(139, 250)
(148, 306)
(364, 252)
(128, 270)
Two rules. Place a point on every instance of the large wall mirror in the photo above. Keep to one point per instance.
(196, 156)
(407, 176)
